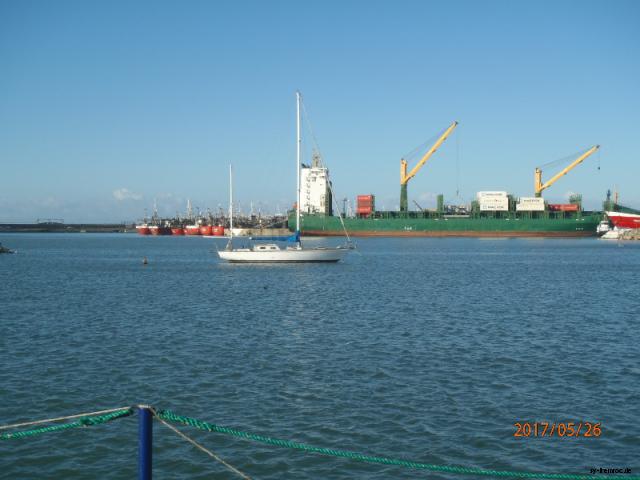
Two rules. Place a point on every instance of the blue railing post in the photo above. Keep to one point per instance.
(145, 441)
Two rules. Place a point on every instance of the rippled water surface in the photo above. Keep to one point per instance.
(424, 349)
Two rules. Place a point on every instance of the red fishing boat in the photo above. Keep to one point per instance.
(206, 230)
(143, 229)
(624, 220)
(192, 230)
(160, 230)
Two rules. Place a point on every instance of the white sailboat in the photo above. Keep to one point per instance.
(271, 252)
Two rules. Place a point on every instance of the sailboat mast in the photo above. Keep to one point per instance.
(298, 146)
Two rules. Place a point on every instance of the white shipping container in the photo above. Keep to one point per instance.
(530, 204)
(494, 208)
(529, 208)
(531, 200)
(494, 204)
(485, 195)
(495, 201)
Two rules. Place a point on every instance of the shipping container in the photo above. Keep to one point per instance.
(530, 204)
(364, 211)
(486, 195)
(494, 207)
(529, 208)
(563, 207)
(496, 203)
(367, 202)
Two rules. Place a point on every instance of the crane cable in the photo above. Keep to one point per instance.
(424, 146)
(565, 159)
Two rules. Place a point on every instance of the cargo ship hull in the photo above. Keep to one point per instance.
(557, 225)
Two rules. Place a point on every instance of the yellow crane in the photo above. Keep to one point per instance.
(539, 186)
(405, 177)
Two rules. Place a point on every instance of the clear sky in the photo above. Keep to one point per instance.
(105, 106)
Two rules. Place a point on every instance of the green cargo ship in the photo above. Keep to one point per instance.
(439, 223)
(419, 224)
(492, 214)
(431, 224)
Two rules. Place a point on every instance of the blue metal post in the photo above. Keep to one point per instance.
(145, 443)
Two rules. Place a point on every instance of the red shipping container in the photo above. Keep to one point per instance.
(563, 207)
(365, 198)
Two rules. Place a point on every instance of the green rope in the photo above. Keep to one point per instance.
(82, 422)
(210, 427)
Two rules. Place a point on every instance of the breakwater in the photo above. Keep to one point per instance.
(55, 227)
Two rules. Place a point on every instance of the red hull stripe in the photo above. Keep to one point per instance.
(625, 221)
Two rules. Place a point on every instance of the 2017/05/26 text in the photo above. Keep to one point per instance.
(557, 429)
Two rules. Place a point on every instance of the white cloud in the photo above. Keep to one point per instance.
(427, 197)
(49, 202)
(122, 194)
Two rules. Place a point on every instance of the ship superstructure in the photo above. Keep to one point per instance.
(315, 188)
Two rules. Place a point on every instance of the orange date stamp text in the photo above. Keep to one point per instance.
(557, 429)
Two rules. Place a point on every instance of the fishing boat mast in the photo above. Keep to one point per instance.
(229, 243)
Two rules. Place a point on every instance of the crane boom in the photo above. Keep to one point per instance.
(405, 177)
(539, 186)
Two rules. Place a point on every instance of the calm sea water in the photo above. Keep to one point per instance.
(425, 349)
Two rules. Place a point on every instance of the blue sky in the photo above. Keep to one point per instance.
(105, 106)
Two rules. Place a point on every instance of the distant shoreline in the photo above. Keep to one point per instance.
(67, 228)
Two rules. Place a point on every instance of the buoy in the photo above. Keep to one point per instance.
(144, 260)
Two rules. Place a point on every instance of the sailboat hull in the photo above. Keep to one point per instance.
(312, 255)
